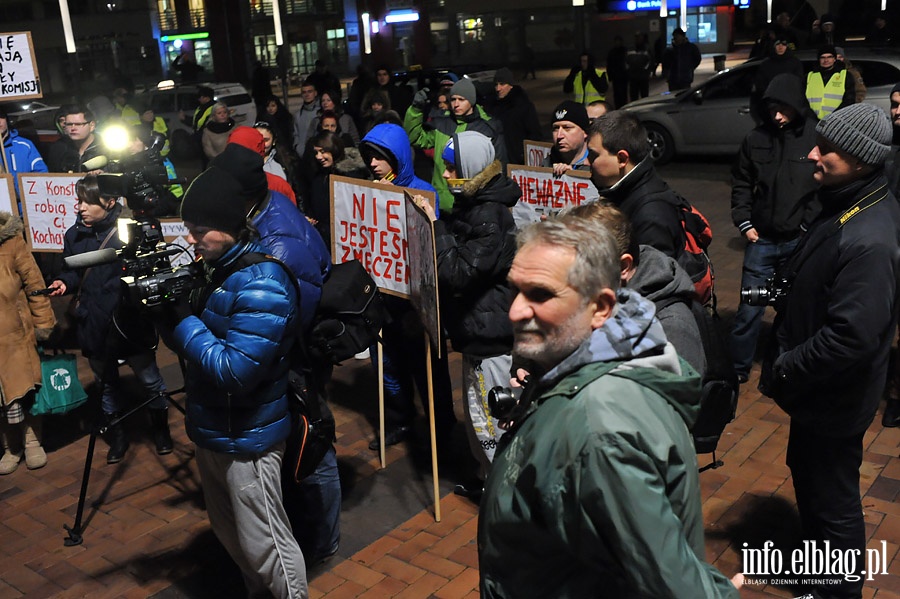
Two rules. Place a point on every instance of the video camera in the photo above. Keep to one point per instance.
(145, 180)
(148, 277)
(770, 293)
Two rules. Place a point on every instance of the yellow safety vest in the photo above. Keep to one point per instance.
(825, 99)
(585, 94)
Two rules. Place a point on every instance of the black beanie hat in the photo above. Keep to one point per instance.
(574, 113)
(246, 166)
(369, 149)
(212, 201)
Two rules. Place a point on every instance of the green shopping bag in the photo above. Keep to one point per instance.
(60, 391)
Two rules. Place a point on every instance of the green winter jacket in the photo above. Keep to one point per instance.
(437, 132)
(596, 493)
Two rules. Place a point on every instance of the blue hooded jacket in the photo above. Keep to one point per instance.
(393, 139)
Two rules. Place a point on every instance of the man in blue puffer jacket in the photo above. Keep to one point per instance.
(235, 336)
(314, 506)
(387, 153)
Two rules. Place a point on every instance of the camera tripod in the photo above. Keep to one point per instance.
(76, 531)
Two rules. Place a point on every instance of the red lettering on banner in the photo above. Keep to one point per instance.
(391, 205)
(359, 207)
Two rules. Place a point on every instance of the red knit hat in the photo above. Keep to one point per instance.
(249, 138)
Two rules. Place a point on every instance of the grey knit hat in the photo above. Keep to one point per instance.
(465, 88)
(861, 130)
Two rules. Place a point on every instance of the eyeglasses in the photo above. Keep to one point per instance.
(76, 124)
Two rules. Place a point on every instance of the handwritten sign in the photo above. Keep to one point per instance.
(8, 195)
(368, 222)
(536, 151)
(423, 289)
(544, 194)
(48, 205)
(19, 77)
(175, 233)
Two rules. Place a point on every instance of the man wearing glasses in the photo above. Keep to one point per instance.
(829, 85)
(77, 145)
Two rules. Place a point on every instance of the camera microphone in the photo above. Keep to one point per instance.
(94, 258)
(95, 163)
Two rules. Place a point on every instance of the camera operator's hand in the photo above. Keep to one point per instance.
(169, 314)
(420, 100)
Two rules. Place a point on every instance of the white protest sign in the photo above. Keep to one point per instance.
(175, 233)
(536, 151)
(368, 223)
(8, 195)
(48, 204)
(19, 77)
(544, 194)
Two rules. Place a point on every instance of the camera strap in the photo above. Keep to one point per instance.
(808, 245)
(84, 275)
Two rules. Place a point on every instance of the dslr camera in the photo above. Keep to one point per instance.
(502, 401)
(770, 293)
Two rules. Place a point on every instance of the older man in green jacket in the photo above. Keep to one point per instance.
(594, 490)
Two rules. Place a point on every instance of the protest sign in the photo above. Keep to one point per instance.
(544, 194)
(8, 195)
(19, 77)
(368, 223)
(48, 205)
(175, 233)
(423, 291)
(536, 151)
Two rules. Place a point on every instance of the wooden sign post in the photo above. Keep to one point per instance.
(424, 297)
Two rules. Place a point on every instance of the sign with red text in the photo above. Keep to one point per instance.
(545, 194)
(368, 223)
(8, 195)
(48, 205)
(423, 285)
(536, 151)
(19, 77)
(175, 234)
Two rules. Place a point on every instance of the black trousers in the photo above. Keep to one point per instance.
(825, 471)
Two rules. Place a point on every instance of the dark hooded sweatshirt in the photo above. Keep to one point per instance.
(773, 189)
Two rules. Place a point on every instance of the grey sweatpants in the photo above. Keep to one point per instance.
(243, 501)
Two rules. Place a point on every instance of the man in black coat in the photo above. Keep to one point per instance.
(772, 200)
(517, 113)
(833, 334)
(622, 170)
(679, 61)
(617, 70)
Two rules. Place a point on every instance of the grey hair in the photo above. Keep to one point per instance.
(597, 263)
(219, 105)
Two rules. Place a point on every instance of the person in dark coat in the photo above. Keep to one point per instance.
(617, 71)
(517, 113)
(680, 60)
(828, 364)
(101, 319)
(475, 245)
(772, 201)
(260, 86)
(279, 119)
(782, 61)
(322, 78)
(640, 64)
(622, 170)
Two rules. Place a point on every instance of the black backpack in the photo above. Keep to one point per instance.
(720, 387)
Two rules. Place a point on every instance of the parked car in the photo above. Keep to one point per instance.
(713, 117)
(171, 101)
(40, 114)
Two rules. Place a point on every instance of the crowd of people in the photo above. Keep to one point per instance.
(589, 310)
